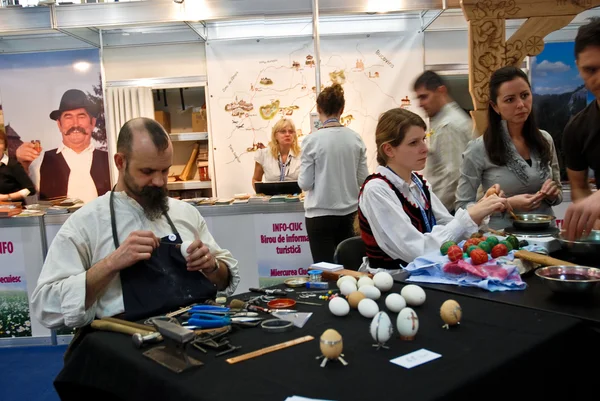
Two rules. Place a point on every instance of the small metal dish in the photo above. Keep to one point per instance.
(281, 303)
(532, 221)
(570, 279)
(296, 282)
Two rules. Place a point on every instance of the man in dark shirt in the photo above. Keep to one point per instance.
(581, 138)
(15, 184)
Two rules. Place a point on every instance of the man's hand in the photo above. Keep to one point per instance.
(26, 153)
(581, 217)
(200, 259)
(550, 190)
(138, 246)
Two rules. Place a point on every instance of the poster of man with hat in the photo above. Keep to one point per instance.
(76, 169)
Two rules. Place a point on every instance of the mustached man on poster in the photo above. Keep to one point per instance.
(76, 169)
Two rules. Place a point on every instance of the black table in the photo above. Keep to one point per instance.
(498, 351)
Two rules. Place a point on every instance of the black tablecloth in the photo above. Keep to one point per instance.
(498, 351)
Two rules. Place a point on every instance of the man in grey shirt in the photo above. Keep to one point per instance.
(450, 130)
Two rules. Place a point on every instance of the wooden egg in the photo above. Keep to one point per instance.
(354, 298)
(407, 324)
(381, 328)
(331, 344)
(451, 313)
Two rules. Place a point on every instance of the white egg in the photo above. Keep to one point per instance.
(345, 278)
(407, 324)
(381, 328)
(347, 288)
(365, 281)
(413, 294)
(395, 302)
(368, 308)
(384, 281)
(183, 248)
(370, 291)
(339, 306)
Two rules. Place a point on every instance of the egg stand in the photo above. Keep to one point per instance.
(380, 344)
(325, 359)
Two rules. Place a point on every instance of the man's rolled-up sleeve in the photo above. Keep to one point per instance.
(59, 296)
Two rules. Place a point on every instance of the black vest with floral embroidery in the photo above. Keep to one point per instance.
(377, 257)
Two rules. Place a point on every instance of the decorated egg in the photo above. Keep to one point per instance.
(345, 278)
(365, 280)
(413, 294)
(395, 302)
(451, 313)
(407, 324)
(331, 344)
(370, 291)
(381, 328)
(354, 298)
(347, 287)
(339, 306)
(183, 248)
(368, 308)
(384, 281)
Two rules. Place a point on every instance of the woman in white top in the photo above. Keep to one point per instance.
(280, 161)
(400, 217)
(334, 166)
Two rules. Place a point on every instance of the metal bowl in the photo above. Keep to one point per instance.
(587, 246)
(532, 221)
(569, 279)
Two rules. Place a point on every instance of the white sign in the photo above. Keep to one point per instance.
(416, 358)
(282, 249)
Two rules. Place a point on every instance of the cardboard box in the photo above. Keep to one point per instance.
(164, 119)
(199, 121)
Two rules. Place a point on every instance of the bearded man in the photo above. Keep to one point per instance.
(120, 254)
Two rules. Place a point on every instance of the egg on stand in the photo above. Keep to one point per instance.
(331, 346)
(451, 313)
(407, 324)
(381, 330)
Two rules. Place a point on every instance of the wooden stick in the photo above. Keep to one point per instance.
(117, 328)
(179, 311)
(130, 324)
(541, 259)
(272, 348)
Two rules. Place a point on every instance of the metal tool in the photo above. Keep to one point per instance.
(172, 355)
(274, 291)
(220, 310)
(309, 303)
(140, 340)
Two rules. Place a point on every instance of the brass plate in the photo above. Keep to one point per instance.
(296, 282)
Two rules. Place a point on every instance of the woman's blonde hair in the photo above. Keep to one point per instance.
(392, 128)
(284, 123)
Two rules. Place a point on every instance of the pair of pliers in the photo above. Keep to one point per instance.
(212, 309)
(208, 321)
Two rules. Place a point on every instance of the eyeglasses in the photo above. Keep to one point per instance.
(289, 131)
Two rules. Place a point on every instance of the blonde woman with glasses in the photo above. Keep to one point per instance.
(280, 161)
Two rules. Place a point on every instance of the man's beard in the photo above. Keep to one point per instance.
(154, 200)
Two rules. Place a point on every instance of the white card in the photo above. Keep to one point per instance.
(415, 358)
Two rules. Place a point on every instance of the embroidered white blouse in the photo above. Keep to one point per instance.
(392, 227)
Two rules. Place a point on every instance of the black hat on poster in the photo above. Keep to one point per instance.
(74, 99)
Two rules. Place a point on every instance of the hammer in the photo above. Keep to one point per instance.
(140, 340)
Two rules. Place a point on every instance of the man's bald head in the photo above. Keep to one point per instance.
(141, 126)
